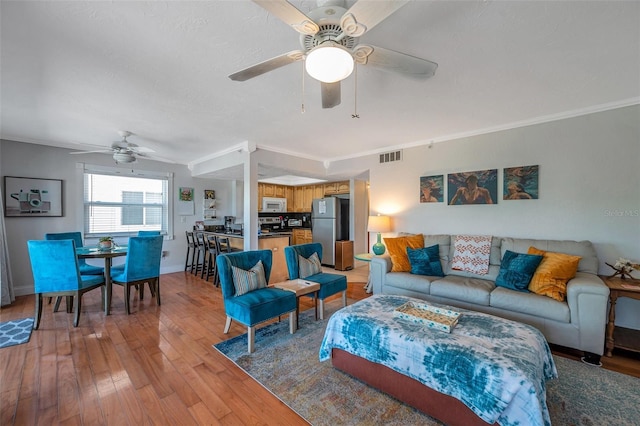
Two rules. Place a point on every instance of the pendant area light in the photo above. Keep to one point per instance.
(329, 62)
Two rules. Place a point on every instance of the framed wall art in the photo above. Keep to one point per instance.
(520, 183)
(32, 197)
(477, 187)
(431, 189)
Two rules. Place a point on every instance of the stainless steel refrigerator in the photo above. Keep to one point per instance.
(329, 223)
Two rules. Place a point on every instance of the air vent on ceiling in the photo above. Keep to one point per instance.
(389, 157)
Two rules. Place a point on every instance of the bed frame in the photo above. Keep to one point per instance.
(443, 407)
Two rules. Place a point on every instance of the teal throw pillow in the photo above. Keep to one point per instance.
(516, 270)
(425, 261)
(310, 266)
(246, 281)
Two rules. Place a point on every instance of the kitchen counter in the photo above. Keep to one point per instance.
(263, 235)
(274, 241)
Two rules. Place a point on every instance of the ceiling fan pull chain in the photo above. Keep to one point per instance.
(302, 108)
(355, 92)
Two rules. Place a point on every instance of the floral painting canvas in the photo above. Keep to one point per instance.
(477, 187)
(431, 189)
(520, 183)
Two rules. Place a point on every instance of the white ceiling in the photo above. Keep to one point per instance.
(73, 73)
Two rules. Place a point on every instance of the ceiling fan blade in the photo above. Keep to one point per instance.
(90, 152)
(268, 65)
(330, 94)
(153, 157)
(290, 15)
(366, 14)
(138, 149)
(390, 60)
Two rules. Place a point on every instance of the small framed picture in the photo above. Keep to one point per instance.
(520, 183)
(431, 189)
(186, 194)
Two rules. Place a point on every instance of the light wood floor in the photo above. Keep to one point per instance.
(155, 366)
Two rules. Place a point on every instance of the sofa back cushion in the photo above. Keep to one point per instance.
(444, 244)
(584, 249)
(494, 261)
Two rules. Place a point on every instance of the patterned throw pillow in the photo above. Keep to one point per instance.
(246, 281)
(555, 270)
(310, 266)
(516, 270)
(397, 248)
(425, 261)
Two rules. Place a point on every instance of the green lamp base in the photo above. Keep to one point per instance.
(378, 247)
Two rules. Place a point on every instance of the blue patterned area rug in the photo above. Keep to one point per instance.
(287, 365)
(15, 332)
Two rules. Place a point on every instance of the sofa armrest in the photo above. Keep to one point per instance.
(380, 266)
(588, 298)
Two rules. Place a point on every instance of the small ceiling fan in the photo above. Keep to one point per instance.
(125, 152)
(329, 36)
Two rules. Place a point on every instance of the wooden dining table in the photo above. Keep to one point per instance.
(107, 255)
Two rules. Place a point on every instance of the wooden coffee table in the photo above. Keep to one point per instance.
(301, 287)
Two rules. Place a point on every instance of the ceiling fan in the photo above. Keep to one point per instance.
(125, 152)
(329, 36)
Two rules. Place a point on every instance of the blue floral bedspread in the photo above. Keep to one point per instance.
(496, 367)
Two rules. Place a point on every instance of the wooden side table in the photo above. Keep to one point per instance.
(620, 337)
(301, 287)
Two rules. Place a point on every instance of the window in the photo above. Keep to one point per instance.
(118, 202)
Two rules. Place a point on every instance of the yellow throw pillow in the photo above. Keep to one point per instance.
(553, 273)
(397, 248)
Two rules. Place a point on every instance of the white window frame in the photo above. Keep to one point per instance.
(83, 169)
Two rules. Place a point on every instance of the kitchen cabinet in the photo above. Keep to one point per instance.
(272, 190)
(302, 236)
(289, 190)
(318, 191)
(335, 188)
(308, 197)
(299, 198)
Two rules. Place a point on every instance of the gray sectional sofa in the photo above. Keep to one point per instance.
(577, 323)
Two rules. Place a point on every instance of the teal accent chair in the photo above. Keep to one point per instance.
(56, 272)
(256, 306)
(148, 233)
(142, 265)
(330, 284)
(85, 268)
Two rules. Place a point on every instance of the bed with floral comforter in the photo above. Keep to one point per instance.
(496, 367)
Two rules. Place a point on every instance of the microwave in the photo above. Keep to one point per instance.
(274, 205)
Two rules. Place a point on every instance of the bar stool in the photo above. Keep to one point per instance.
(191, 251)
(212, 254)
(201, 253)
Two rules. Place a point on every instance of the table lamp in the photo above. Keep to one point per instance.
(379, 224)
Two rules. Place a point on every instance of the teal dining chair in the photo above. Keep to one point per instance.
(85, 268)
(142, 265)
(56, 272)
(247, 299)
(148, 233)
(330, 284)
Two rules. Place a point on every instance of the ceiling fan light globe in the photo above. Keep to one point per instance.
(329, 63)
(123, 157)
